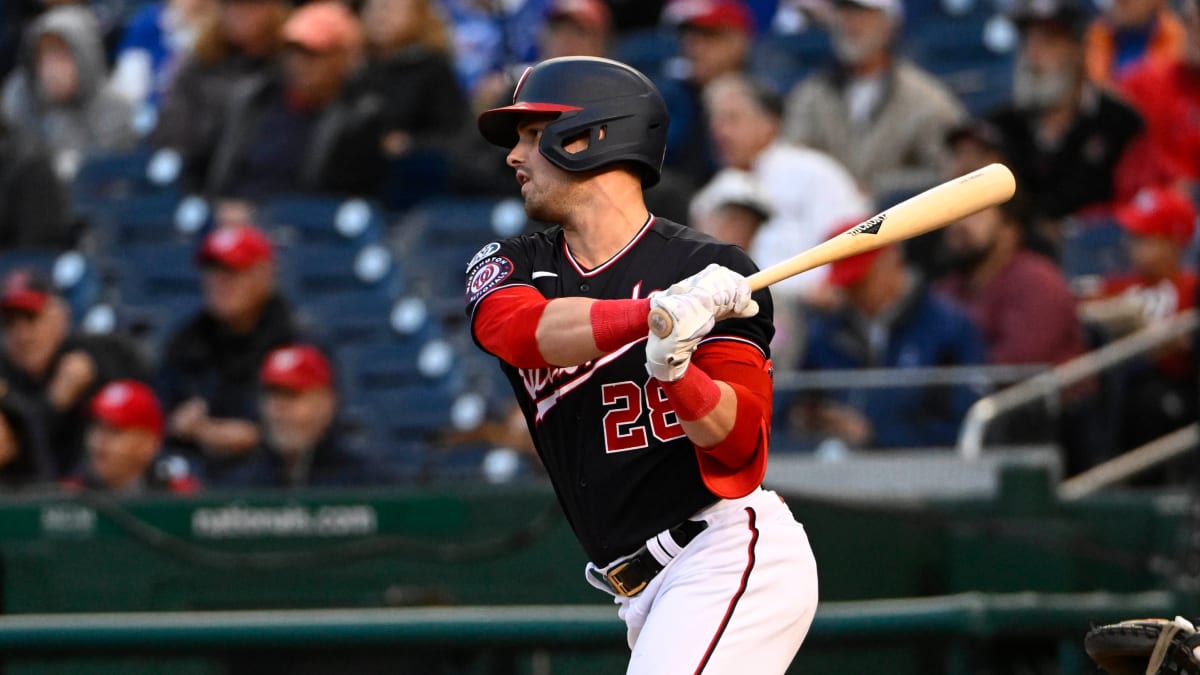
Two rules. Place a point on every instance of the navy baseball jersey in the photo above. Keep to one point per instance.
(621, 466)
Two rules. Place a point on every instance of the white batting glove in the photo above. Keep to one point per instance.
(692, 317)
(729, 291)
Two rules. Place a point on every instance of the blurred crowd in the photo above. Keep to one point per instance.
(791, 120)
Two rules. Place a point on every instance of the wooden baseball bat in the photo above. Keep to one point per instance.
(936, 207)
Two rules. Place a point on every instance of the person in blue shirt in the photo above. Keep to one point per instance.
(889, 320)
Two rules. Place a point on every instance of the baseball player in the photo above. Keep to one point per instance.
(656, 446)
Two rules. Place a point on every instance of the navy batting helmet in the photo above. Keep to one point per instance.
(588, 94)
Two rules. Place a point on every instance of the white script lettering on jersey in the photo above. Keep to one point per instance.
(546, 385)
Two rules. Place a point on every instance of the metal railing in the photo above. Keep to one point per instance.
(1050, 384)
(1130, 464)
(887, 378)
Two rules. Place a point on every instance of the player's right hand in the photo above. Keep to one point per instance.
(729, 291)
(692, 317)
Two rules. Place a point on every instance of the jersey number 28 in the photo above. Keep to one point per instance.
(634, 411)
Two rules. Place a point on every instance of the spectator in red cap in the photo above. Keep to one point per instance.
(58, 369)
(309, 128)
(208, 378)
(1159, 396)
(715, 37)
(889, 320)
(123, 443)
(877, 113)
(302, 444)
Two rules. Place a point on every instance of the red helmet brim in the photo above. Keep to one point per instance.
(499, 125)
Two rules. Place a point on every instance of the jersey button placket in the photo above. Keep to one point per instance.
(585, 287)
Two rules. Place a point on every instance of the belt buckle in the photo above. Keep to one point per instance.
(617, 585)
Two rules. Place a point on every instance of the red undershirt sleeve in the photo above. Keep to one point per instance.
(736, 465)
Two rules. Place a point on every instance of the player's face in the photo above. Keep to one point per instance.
(545, 188)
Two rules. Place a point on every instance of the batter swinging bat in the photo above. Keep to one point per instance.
(938, 206)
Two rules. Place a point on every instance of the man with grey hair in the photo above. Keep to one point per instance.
(744, 119)
(881, 116)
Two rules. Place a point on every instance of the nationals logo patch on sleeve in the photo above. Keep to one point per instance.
(487, 275)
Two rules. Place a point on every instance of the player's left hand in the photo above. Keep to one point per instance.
(692, 317)
(729, 291)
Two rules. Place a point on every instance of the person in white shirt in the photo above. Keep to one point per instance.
(808, 191)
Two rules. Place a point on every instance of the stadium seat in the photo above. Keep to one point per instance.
(442, 235)
(164, 218)
(153, 287)
(309, 271)
(366, 316)
(1093, 246)
(416, 176)
(422, 359)
(646, 49)
(785, 60)
(313, 219)
(106, 178)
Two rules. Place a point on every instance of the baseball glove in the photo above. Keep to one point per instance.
(1145, 647)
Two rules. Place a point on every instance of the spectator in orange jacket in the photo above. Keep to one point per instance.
(1129, 33)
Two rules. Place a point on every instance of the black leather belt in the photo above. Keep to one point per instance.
(628, 577)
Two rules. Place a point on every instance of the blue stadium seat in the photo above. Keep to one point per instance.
(646, 49)
(785, 60)
(366, 316)
(154, 288)
(419, 360)
(314, 219)
(307, 272)
(416, 176)
(1093, 246)
(106, 178)
(164, 218)
(444, 234)
(464, 222)
(972, 52)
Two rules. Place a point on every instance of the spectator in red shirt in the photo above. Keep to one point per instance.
(1167, 94)
(1026, 312)
(1159, 395)
(1017, 298)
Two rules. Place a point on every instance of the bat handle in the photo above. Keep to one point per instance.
(660, 322)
